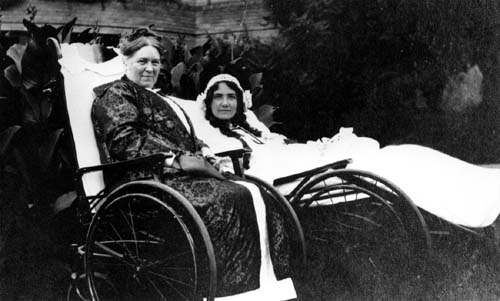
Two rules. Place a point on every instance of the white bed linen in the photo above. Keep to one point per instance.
(452, 189)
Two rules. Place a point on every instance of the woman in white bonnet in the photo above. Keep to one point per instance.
(445, 186)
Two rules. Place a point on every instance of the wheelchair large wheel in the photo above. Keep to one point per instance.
(148, 243)
(293, 226)
(372, 229)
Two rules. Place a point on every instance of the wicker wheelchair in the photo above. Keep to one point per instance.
(144, 240)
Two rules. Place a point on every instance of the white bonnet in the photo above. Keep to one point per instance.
(224, 77)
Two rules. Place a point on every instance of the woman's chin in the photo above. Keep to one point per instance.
(147, 85)
(224, 116)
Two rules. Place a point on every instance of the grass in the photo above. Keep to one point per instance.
(461, 267)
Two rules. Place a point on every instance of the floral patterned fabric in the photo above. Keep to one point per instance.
(130, 122)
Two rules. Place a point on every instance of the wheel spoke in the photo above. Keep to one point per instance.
(167, 281)
(372, 227)
(145, 247)
(366, 219)
(109, 250)
(141, 241)
(133, 229)
(121, 241)
(317, 201)
(170, 279)
(156, 288)
(151, 236)
(169, 258)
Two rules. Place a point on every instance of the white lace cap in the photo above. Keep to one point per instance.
(224, 77)
(247, 95)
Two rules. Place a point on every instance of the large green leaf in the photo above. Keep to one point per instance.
(64, 32)
(35, 66)
(6, 137)
(46, 150)
(265, 114)
(31, 104)
(177, 73)
(45, 107)
(22, 166)
(255, 81)
(64, 201)
(16, 53)
(13, 76)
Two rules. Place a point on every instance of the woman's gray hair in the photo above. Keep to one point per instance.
(141, 37)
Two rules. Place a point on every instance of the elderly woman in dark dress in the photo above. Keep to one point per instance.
(130, 121)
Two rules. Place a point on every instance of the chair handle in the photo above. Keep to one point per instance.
(235, 155)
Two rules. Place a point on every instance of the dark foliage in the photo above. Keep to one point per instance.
(191, 69)
(31, 99)
(7, 3)
(35, 162)
(381, 67)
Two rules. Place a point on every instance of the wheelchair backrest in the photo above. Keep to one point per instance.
(82, 72)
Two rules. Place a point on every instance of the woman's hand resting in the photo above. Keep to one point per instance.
(223, 164)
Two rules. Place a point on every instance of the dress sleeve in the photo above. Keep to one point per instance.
(117, 121)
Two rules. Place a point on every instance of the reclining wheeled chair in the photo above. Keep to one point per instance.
(354, 213)
(144, 240)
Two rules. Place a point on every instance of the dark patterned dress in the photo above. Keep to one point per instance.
(130, 122)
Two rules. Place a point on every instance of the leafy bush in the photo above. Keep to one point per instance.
(7, 3)
(381, 67)
(189, 70)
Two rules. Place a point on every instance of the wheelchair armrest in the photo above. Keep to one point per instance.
(235, 155)
(155, 160)
(309, 173)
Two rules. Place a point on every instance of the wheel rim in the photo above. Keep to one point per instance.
(143, 247)
(365, 237)
(358, 223)
(366, 227)
(323, 190)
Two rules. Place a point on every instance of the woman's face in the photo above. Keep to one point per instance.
(224, 102)
(143, 66)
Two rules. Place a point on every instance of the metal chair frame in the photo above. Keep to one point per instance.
(125, 257)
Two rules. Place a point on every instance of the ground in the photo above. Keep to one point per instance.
(461, 266)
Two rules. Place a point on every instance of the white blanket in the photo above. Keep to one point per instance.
(452, 189)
